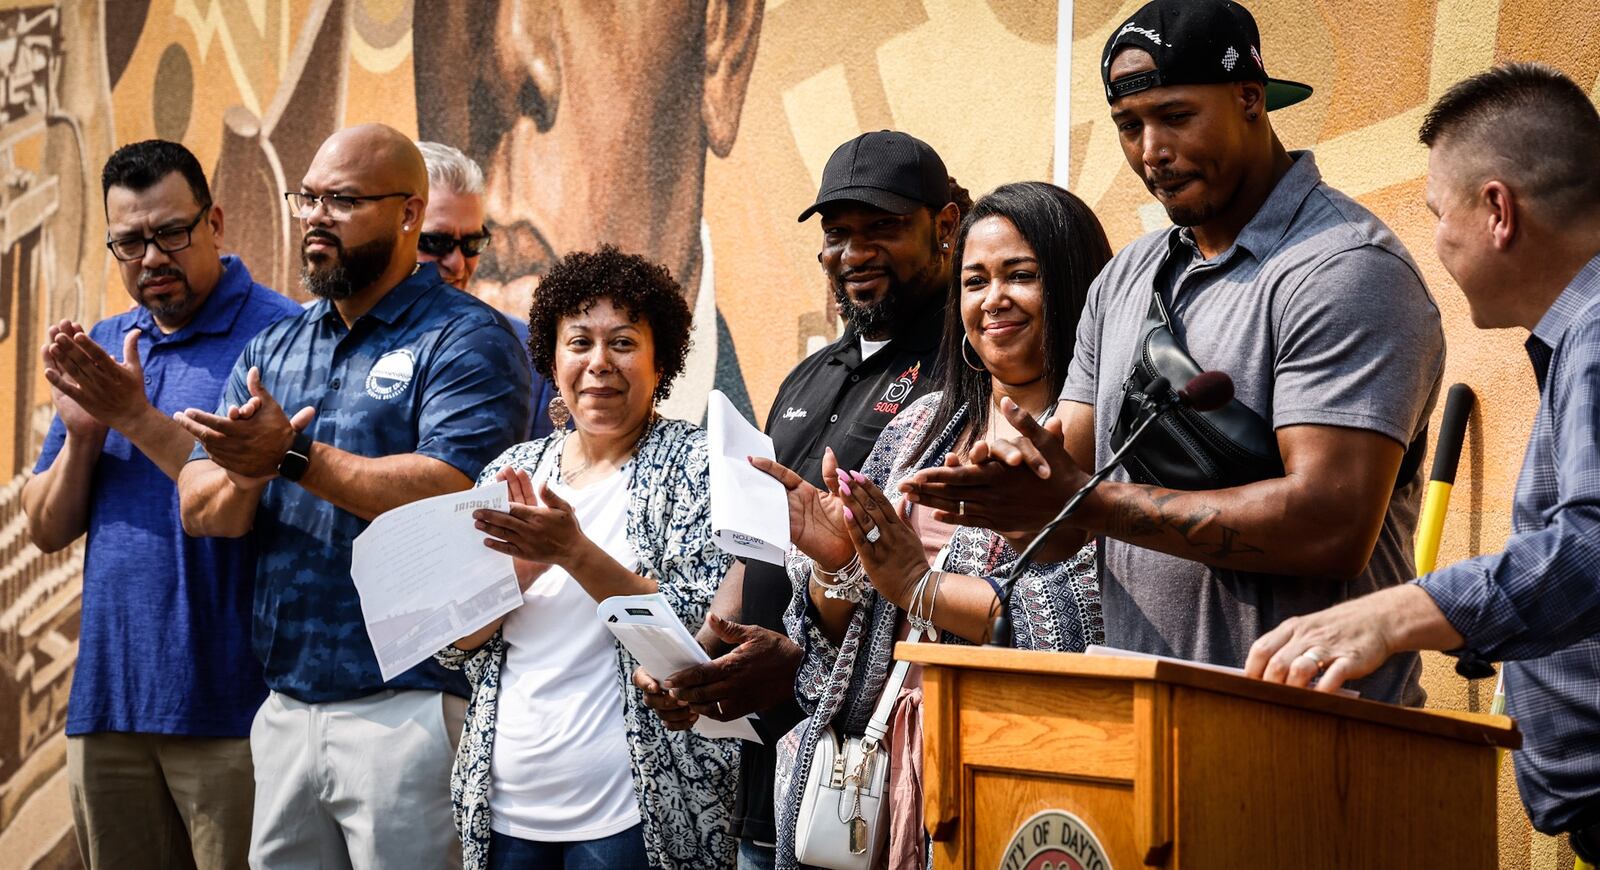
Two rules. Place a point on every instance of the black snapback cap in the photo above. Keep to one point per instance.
(1195, 42)
(887, 169)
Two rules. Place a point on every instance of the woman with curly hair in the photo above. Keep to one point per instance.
(559, 766)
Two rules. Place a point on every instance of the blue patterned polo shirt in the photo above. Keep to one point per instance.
(429, 370)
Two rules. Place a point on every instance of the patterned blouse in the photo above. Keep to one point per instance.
(1055, 606)
(684, 782)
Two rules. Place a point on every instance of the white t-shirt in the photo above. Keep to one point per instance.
(869, 347)
(560, 769)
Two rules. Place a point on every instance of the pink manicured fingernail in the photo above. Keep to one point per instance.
(849, 516)
(844, 487)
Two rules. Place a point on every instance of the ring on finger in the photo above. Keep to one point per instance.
(961, 508)
(873, 535)
(719, 709)
(1316, 659)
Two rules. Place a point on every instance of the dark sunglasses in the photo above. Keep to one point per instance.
(441, 244)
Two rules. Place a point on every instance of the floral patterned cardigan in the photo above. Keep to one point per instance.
(684, 782)
(1055, 606)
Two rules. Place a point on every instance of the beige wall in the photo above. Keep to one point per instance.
(629, 152)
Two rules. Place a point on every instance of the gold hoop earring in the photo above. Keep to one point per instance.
(964, 345)
(559, 413)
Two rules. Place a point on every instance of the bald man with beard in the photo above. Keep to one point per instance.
(403, 388)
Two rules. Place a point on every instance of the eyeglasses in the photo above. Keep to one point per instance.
(169, 240)
(338, 205)
(441, 244)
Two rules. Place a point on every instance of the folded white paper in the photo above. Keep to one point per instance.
(646, 625)
(749, 508)
(425, 578)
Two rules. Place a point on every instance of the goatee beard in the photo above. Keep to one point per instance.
(899, 303)
(353, 270)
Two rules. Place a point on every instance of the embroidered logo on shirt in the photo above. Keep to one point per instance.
(391, 374)
(793, 413)
(897, 391)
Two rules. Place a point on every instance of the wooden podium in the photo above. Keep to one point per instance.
(1163, 764)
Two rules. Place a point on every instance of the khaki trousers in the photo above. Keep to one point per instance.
(355, 784)
(160, 801)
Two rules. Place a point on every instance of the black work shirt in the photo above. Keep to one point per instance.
(833, 398)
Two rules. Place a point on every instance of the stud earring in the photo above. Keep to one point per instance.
(945, 245)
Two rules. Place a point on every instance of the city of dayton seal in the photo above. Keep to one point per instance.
(1054, 840)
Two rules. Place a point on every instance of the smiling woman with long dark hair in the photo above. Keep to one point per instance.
(559, 765)
(866, 565)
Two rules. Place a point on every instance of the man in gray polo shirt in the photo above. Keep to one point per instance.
(1304, 297)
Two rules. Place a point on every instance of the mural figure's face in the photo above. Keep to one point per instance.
(1187, 143)
(172, 286)
(605, 368)
(346, 247)
(1002, 301)
(1462, 239)
(880, 264)
(458, 216)
(591, 120)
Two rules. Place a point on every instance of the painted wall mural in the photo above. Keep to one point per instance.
(692, 132)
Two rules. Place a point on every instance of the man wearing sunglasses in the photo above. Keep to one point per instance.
(158, 756)
(454, 235)
(405, 388)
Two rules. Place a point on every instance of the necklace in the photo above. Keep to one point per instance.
(995, 415)
(571, 478)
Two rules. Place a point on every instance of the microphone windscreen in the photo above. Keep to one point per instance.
(1158, 389)
(1207, 391)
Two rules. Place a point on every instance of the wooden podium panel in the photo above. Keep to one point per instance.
(1169, 765)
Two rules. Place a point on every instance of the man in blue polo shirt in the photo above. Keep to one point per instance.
(404, 387)
(158, 763)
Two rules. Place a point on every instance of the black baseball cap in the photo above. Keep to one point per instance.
(896, 172)
(1195, 42)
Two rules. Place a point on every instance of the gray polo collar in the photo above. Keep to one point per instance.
(1261, 236)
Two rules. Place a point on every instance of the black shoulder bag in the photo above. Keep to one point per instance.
(1195, 450)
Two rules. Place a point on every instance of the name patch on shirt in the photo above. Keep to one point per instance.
(391, 374)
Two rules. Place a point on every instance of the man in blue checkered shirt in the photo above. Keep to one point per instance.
(1511, 177)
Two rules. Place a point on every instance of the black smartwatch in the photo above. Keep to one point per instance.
(293, 465)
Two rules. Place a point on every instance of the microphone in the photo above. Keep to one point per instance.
(1206, 391)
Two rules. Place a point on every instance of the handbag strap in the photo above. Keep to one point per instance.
(878, 725)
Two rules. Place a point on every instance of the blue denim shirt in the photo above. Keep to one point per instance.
(163, 645)
(429, 370)
(1536, 603)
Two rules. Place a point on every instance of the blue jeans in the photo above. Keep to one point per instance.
(753, 856)
(624, 851)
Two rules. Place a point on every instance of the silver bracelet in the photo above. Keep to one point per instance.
(919, 611)
(848, 583)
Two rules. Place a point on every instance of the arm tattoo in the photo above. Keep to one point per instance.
(1151, 513)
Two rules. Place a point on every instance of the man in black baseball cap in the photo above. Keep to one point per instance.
(888, 170)
(1195, 42)
(889, 216)
(1299, 293)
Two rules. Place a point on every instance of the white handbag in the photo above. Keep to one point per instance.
(844, 810)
